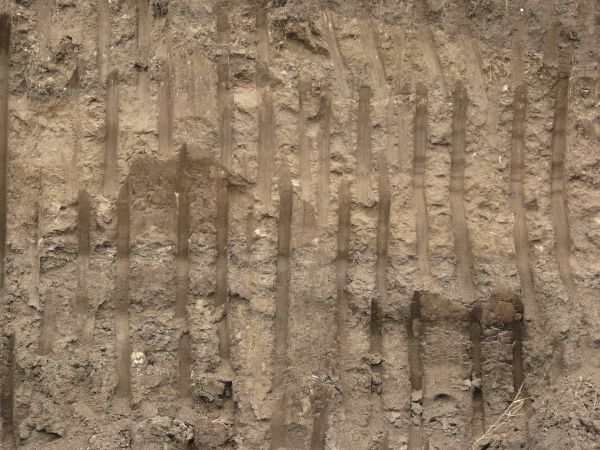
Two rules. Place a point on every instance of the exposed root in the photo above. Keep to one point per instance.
(513, 410)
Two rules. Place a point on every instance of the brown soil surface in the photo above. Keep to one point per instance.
(299, 224)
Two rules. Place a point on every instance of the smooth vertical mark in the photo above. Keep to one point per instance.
(390, 107)
(381, 282)
(104, 37)
(71, 174)
(363, 144)
(265, 107)
(422, 225)
(335, 55)
(224, 94)
(123, 391)
(320, 427)
(83, 257)
(282, 306)
(4, 62)
(181, 258)
(184, 348)
(48, 325)
(111, 140)
(415, 368)
(324, 146)
(457, 199)
(184, 357)
(432, 57)
(305, 146)
(341, 270)
(7, 368)
(165, 110)
(517, 172)
(143, 46)
(518, 335)
(475, 331)
(372, 50)
(222, 289)
(558, 175)
(7, 389)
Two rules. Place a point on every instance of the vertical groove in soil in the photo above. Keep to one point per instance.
(224, 94)
(123, 391)
(457, 202)
(475, 329)
(83, 257)
(363, 144)
(265, 107)
(335, 55)
(7, 364)
(558, 176)
(422, 226)
(165, 109)
(72, 176)
(415, 367)
(517, 171)
(7, 392)
(304, 164)
(184, 351)
(282, 307)
(143, 46)
(111, 140)
(324, 146)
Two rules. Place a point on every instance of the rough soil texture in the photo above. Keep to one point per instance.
(301, 224)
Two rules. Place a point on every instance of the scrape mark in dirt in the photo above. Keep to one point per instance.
(222, 288)
(72, 178)
(48, 326)
(183, 232)
(320, 426)
(478, 422)
(324, 146)
(104, 37)
(517, 171)
(432, 57)
(143, 47)
(224, 94)
(4, 60)
(184, 356)
(372, 49)
(363, 145)
(282, 307)
(335, 55)
(422, 226)
(307, 219)
(518, 330)
(165, 107)
(184, 350)
(265, 107)
(415, 366)
(83, 257)
(376, 324)
(111, 140)
(7, 389)
(123, 391)
(558, 175)
(341, 269)
(457, 202)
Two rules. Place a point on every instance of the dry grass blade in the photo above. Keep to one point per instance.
(513, 410)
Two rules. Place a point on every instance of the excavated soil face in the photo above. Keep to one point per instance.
(300, 224)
